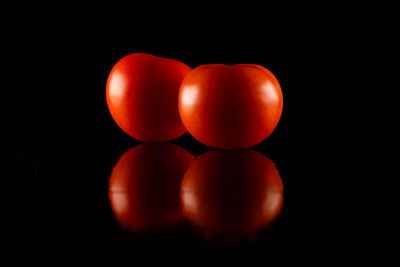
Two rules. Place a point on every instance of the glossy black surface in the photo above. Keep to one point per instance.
(336, 146)
(57, 198)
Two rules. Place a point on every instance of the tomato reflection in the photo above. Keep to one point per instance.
(232, 192)
(144, 186)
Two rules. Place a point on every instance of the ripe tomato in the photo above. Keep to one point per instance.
(142, 96)
(235, 192)
(230, 107)
(144, 186)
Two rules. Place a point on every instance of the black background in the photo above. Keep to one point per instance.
(335, 146)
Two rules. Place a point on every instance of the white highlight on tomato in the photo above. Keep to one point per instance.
(189, 95)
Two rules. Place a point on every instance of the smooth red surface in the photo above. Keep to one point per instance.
(142, 96)
(230, 106)
(144, 186)
(232, 192)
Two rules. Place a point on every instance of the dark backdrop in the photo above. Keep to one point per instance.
(335, 145)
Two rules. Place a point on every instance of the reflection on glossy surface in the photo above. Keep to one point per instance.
(232, 192)
(144, 186)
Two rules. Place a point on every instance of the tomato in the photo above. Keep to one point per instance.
(230, 106)
(234, 192)
(142, 96)
(144, 186)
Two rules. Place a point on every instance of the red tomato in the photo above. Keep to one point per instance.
(142, 96)
(234, 192)
(144, 186)
(230, 107)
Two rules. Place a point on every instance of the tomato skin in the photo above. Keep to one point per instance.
(230, 106)
(144, 186)
(227, 191)
(142, 96)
